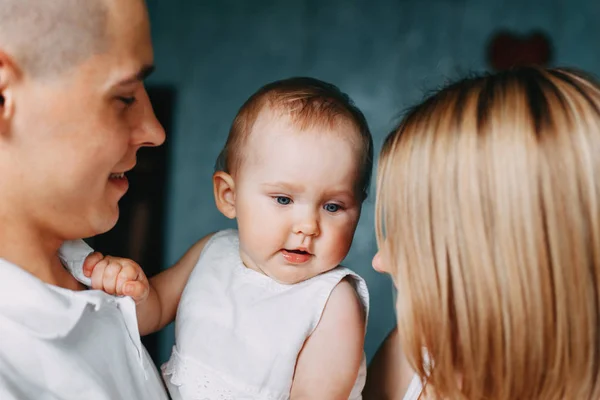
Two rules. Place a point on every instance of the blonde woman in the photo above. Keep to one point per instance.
(488, 205)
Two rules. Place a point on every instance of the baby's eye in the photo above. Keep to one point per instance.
(332, 208)
(284, 201)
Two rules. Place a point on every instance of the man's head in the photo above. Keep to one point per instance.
(73, 111)
(298, 162)
(49, 37)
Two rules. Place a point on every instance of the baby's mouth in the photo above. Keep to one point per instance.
(297, 251)
(296, 256)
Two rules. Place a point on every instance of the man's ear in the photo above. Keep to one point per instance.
(8, 78)
(224, 189)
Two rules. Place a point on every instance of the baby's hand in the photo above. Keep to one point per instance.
(118, 276)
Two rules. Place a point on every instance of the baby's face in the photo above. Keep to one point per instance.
(296, 198)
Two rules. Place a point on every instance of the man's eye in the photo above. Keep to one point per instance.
(284, 201)
(127, 100)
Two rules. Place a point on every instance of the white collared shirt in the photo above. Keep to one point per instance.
(62, 344)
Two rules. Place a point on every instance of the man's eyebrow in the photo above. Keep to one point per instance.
(142, 74)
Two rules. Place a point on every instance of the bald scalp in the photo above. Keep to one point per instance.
(47, 37)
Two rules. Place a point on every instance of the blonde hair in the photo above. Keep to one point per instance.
(308, 102)
(488, 212)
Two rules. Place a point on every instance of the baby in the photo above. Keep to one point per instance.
(266, 311)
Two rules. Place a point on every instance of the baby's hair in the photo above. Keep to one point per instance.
(308, 102)
(488, 210)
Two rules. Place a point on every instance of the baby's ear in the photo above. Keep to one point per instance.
(224, 189)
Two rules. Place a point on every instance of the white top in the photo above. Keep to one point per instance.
(414, 389)
(238, 332)
(62, 344)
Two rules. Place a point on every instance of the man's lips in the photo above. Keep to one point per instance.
(117, 175)
(120, 174)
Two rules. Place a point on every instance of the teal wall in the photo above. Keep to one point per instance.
(385, 54)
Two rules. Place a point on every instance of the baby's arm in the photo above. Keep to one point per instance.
(328, 364)
(157, 299)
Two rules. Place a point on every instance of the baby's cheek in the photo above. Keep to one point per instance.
(341, 244)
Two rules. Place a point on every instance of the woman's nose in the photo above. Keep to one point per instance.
(377, 266)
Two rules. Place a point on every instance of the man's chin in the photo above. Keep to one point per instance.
(104, 221)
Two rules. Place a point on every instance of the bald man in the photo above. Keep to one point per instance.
(73, 114)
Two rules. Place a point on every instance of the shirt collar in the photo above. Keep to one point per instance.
(72, 254)
(45, 310)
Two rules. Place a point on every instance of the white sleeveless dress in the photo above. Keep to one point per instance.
(238, 333)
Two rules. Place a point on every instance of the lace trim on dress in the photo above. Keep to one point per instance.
(203, 383)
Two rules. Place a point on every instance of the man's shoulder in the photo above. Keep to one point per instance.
(33, 307)
(13, 384)
(21, 372)
(98, 341)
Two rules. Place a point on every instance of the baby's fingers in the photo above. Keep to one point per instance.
(110, 276)
(128, 273)
(137, 290)
(90, 262)
(98, 274)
